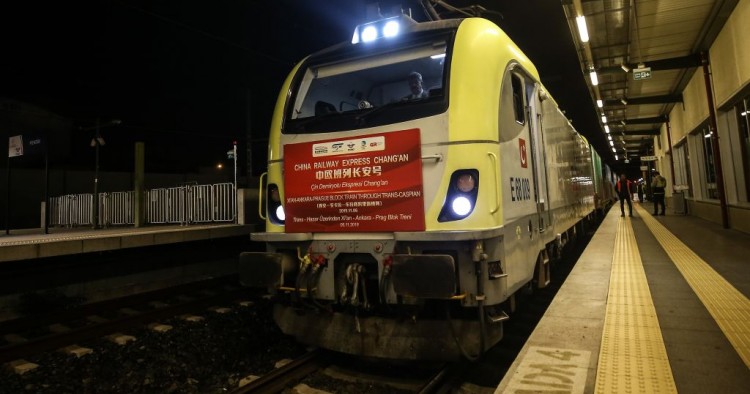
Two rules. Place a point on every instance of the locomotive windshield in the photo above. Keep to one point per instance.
(359, 91)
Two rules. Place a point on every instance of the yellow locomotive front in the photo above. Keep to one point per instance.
(391, 228)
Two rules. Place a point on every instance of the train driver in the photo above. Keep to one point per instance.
(415, 85)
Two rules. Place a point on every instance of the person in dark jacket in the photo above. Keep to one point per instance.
(624, 192)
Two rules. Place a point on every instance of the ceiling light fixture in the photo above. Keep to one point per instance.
(604, 118)
(625, 68)
(582, 30)
(624, 101)
(594, 78)
(606, 128)
(600, 103)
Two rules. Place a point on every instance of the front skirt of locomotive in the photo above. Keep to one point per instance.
(385, 337)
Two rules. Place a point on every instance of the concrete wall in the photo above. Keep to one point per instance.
(730, 75)
(730, 55)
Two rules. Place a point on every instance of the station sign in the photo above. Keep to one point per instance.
(641, 73)
(25, 145)
(367, 183)
(648, 158)
(644, 168)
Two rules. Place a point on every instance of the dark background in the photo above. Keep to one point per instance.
(188, 78)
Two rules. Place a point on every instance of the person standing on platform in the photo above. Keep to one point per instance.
(640, 192)
(657, 185)
(624, 193)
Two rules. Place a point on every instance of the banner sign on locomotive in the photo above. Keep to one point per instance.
(367, 183)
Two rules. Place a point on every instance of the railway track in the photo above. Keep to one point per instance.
(27, 336)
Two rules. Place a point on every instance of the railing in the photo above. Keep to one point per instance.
(71, 210)
(183, 205)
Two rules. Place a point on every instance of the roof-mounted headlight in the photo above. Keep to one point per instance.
(384, 28)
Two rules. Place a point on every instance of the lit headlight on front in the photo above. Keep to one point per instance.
(461, 196)
(384, 28)
(370, 33)
(391, 29)
(461, 206)
(274, 208)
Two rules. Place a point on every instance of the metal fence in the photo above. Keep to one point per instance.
(183, 205)
(71, 210)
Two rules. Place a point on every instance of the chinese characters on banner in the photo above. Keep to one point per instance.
(367, 183)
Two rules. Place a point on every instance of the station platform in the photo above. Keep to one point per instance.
(31, 244)
(655, 304)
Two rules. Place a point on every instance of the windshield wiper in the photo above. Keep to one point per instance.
(299, 124)
(374, 111)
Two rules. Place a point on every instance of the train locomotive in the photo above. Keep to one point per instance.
(400, 225)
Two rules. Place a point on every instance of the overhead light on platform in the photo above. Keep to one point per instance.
(624, 101)
(594, 77)
(604, 118)
(609, 137)
(606, 128)
(599, 103)
(614, 150)
(611, 143)
(582, 30)
(617, 158)
(625, 68)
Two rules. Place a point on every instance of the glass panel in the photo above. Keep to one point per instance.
(708, 160)
(357, 84)
(743, 120)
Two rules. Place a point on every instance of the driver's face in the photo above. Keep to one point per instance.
(415, 85)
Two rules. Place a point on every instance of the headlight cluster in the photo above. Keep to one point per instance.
(461, 197)
(369, 32)
(275, 208)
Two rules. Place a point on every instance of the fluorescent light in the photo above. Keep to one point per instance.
(438, 56)
(623, 101)
(611, 143)
(609, 137)
(594, 78)
(625, 68)
(617, 158)
(604, 118)
(606, 128)
(743, 113)
(614, 150)
(582, 30)
(599, 103)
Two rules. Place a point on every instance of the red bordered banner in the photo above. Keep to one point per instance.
(368, 183)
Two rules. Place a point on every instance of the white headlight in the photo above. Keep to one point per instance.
(369, 34)
(461, 206)
(391, 29)
(280, 213)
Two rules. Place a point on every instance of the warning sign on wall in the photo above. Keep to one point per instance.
(368, 183)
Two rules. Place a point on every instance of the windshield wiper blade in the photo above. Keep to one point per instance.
(299, 124)
(365, 115)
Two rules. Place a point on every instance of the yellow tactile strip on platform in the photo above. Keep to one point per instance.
(632, 357)
(729, 307)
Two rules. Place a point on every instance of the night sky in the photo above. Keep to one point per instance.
(189, 77)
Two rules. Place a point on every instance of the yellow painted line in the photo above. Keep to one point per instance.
(729, 307)
(632, 356)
